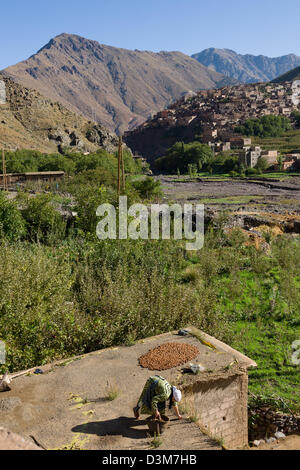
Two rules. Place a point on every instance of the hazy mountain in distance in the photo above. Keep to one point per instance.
(246, 68)
(119, 88)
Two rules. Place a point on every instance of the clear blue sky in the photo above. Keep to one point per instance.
(268, 27)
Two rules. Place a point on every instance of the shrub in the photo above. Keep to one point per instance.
(43, 221)
(12, 225)
(38, 320)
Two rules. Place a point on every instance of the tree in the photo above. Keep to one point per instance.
(262, 164)
(266, 126)
(12, 225)
(148, 188)
(180, 155)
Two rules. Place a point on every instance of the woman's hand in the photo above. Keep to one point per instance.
(177, 412)
(157, 414)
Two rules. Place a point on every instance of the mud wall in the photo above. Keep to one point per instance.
(221, 406)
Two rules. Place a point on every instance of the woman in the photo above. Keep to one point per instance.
(156, 392)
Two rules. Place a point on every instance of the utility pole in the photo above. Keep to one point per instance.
(123, 167)
(4, 176)
(119, 165)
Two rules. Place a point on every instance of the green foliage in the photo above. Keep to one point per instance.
(148, 188)
(224, 163)
(180, 155)
(71, 163)
(38, 320)
(43, 221)
(262, 164)
(296, 116)
(266, 126)
(12, 225)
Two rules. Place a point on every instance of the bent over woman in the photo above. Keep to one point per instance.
(156, 392)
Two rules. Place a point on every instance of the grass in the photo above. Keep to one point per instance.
(285, 144)
(156, 441)
(276, 379)
(112, 391)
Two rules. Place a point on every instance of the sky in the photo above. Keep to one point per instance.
(268, 27)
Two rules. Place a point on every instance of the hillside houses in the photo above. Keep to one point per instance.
(228, 107)
(211, 116)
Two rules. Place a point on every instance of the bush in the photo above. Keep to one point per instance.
(43, 221)
(148, 188)
(38, 320)
(12, 224)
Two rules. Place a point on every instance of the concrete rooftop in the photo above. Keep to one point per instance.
(67, 406)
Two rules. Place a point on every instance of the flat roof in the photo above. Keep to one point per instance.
(70, 396)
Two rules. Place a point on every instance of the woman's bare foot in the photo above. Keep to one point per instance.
(136, 412)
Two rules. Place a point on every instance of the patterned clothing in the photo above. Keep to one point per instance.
(156, 392)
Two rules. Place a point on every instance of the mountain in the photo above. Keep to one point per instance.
(119, 88)
(29, 120)
(290, 76)
(246, 68)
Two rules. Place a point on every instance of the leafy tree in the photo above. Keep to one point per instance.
(266, 126)
(296, 116)
(148, 188)
(42, 218)
(180, 155)
(262, 164)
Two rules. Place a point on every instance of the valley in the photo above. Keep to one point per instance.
(81, 124)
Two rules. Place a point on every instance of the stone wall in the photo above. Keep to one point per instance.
(264, 422)
(220, 403)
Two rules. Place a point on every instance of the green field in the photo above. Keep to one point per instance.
(285, 144)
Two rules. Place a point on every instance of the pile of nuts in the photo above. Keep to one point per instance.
(168, 355)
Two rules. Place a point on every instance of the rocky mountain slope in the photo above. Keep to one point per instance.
(290, 76)
(29, 120)
(246, 68)
(117, 87)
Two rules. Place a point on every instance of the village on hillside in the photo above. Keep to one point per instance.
(216, 113)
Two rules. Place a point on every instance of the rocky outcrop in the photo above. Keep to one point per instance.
(29, 120)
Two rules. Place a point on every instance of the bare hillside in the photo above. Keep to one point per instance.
(29, 120)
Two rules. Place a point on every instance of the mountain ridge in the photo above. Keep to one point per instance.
(246, 68)
(118, 87)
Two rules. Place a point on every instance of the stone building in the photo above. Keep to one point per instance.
(250, 156)
(47, 176)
